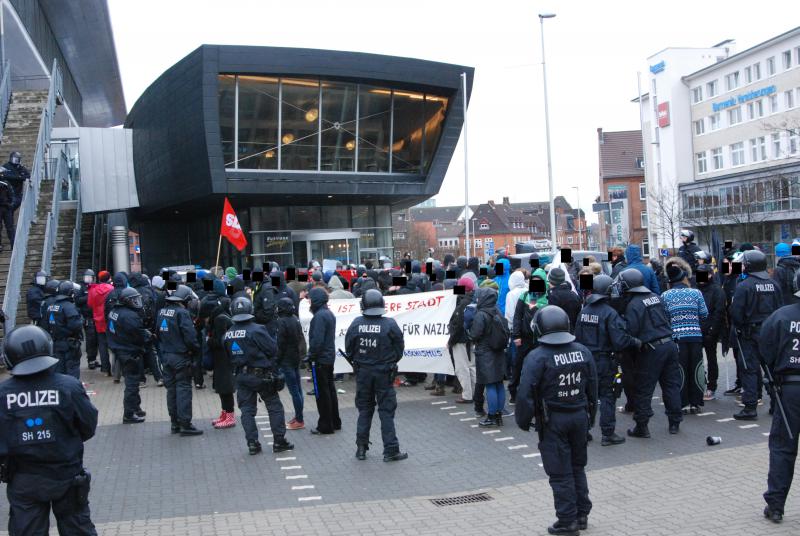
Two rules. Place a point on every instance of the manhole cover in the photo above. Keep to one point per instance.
(464, 499)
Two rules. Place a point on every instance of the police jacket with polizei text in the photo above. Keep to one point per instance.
(64, 320)
(126, 331)
(646, 318)
(47, 301)
(781, 332)
(753, 301)
(322, 337)
(34, 298)
(564, 376)
(250, 344)
(175, 330)
(44, 420)
(374, 341)
(602, 330)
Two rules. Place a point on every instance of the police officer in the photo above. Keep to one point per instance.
(89, 333)
(66, 327)
(559, 388)
(34, 297)
(253, 354)
(178, 341)
(45, 417)
(374, 344)
(15, 174)
(7, 197)
(688, 249)
(782, 330)
(754, 300)
(602, 331)
(657, 361)
(50, 291)
(127, 337)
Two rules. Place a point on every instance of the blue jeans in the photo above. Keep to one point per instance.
(496, 397)
(292, 377)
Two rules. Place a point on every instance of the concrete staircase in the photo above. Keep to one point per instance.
(85, 253)
(62, 256)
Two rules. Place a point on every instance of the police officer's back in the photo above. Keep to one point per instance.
(45, 417)
(374, 344)
(50, 291)
(35, 296)
(559, 388)
(782, 330)
(66, 328)
(127, 337)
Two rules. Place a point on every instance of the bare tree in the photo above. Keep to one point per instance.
(668, 212)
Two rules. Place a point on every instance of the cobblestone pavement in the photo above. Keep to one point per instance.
(149, 482)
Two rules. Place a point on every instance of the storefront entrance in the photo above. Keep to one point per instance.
(318, 245)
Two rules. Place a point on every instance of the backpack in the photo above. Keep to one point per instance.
(498, 336)
(266, 306)
(148, 306)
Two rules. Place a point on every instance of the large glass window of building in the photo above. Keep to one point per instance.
(258, 122)
(374, 122)
(338, 126)
(300, 124)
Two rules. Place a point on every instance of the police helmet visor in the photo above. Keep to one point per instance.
(41, 279)
(135, 302)
(33, 365)
(15, 158)
(559, 337)
(88, 279)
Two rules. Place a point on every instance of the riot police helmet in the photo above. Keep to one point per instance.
(550, 324)
(15, 158)
(372, 303)
(182, 294)
(796, 284)
(686, 233)
(631, 281)
(65, 289)
(131, 298)
(88, 276)
(51, 287)
(241, 309)
(754, 262)
(601, 288)
(40, 278)
(27, 350)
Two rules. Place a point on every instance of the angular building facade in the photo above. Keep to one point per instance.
(314, 149)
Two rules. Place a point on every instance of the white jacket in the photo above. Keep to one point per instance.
(516, 288)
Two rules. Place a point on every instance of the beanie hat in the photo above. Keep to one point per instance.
(783, 250)
(158, 282)
(103, 276)
(201, 274)
(491, 283)
(467, 283)
(219, 287)
(674, 273)
(416, 267)
(471, 276)
(230, 272)
(556, 276)
(316, 276)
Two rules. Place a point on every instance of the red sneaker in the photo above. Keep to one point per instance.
(294, 424)
(229, 421)
(219, 419)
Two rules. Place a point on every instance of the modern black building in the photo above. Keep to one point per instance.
(314, 149)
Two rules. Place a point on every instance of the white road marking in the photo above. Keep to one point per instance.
(705, 413)
(492, 432)
(439, 402)
(295, 477)
(286, 459)
(290, 467)
(746, 426)
(297, 488)
(515, 447)
(508, 438)
(316, 498)
(728, 419)
(534, 455)
(473, 425)
(468, 419)
(449, 407)
(765, 433)
(458, 413)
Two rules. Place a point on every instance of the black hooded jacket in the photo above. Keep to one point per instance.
(714, 325)
(291, 342)
(322, 331)
(34, 298)
(120, 281)
(784, 277)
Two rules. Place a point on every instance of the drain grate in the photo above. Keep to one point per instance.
(464, 499)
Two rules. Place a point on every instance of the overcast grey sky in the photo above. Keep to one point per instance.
(594, 50)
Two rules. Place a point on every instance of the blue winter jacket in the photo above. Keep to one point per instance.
(502, 282)
(633, 256)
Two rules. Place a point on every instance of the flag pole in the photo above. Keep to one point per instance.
(219, 247)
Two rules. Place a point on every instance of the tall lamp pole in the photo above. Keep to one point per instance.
(580, 232)
(466, 165)
(553, 236)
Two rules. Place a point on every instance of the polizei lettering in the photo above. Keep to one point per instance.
(566, 359)
(651, 301)
(590, 319)
(369, 328)
(765, 287)
(235, 334)
(31, 399)
(167, 312)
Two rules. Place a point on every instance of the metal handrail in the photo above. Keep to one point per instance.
(51, 229)
(5, 95)
(76, 238)
(27, 211)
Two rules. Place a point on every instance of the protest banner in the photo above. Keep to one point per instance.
(423, 318)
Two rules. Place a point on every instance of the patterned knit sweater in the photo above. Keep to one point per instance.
(686, 308)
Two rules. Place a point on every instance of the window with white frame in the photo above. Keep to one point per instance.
(794, 141)
(484, 226)
(642, 191)
(755, 109)
(757, 71)
(711, 89)
(787, 59)
(735, 115)
(570, 240)
(788, 99)
(748, 75)
(758, 149)
(713, 121)
(702, 166)
(643, 219)
(699, 127)
(697, 94)
(737, 154)
(773, 104)
(646, 247)
(716, 158)
(797, 56)
(776, 145)
(771, 66)
(478, 243)
(732, 81)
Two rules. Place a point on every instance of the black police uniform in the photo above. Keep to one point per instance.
(657, 362)
(253, 354)
(44, 420)
(34, 298)
(49, 299)
(178, 342)
(7, 212)
(564, 378)
(89, 332)
(15, 175)
(375, 344)
(602, 331)
(782, 330)
(66, 327)
(127, 338)
(755, 298)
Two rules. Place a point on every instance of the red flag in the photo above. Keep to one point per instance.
(231, 229)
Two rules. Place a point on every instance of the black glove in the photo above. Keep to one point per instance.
(393, 373)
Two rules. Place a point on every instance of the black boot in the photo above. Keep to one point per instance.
(395, 457)
(281, 445)
(640, 430)
(748, 413)
(567, 529)
(674, 427)
(772, 515)
(498, 418)
(612, 439)
(583, 521)
(175, 428)
(188, 429)
(361, 452)
(140, 413)
(254, 447)
(488, 421)
(132, 419)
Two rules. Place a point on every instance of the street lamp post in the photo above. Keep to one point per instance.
(553, 236)
(580, 233)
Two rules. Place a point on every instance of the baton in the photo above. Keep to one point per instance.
(739, 345)
(314, 377)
